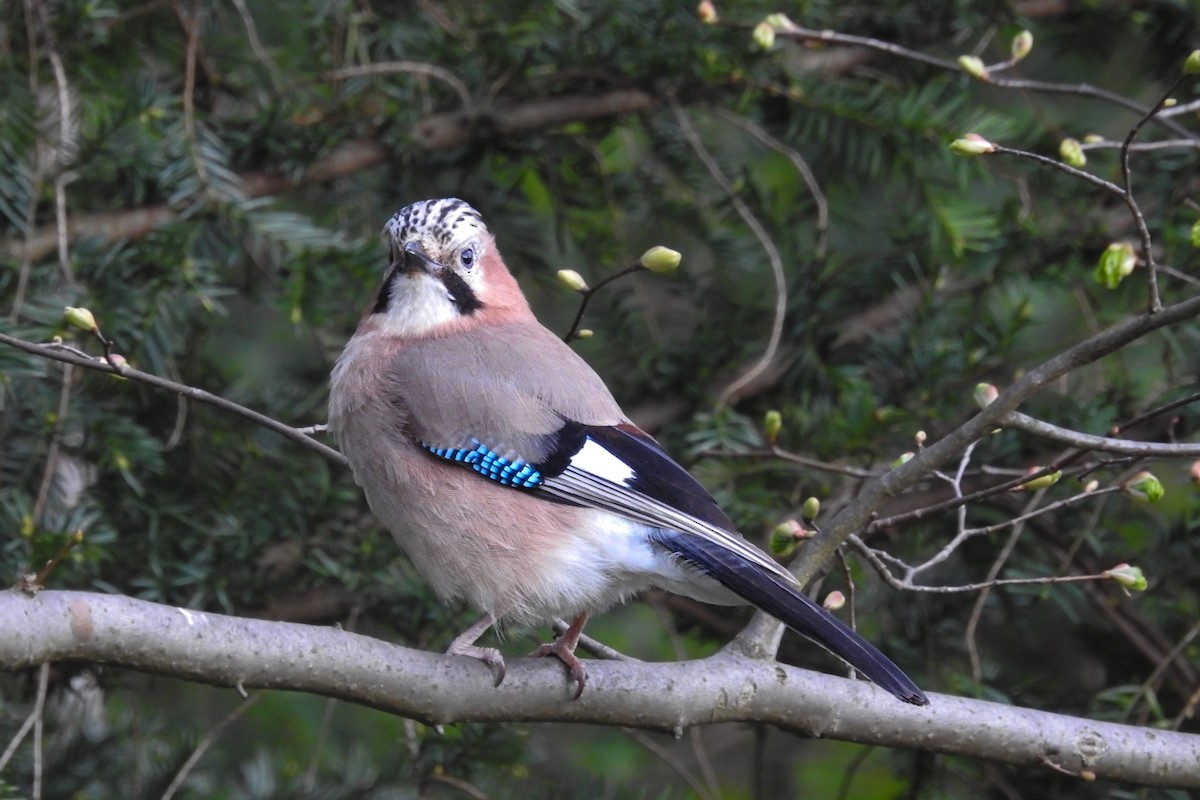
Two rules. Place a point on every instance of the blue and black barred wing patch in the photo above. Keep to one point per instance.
(504, 470)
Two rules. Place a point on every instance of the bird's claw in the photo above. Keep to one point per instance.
(490, 656)
(576, 669)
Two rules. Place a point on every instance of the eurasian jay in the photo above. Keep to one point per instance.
(506, 470)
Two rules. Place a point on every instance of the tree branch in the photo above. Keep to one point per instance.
(101, 365)
(856, 515)
(438, 132)
(1087, 441)
(727, 687)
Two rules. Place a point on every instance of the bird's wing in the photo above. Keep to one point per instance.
(554, 430)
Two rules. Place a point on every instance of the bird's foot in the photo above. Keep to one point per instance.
(488, 655)
(566, 654)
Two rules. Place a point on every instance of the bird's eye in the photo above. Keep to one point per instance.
(467, 256)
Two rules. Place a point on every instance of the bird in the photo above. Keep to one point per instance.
(506, 470)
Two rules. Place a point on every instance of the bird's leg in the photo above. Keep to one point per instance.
(464, 645)
(563, 648)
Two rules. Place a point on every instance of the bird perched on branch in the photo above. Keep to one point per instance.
(508, 473)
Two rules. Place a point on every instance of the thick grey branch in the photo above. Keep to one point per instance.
(728, 687)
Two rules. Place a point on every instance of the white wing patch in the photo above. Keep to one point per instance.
(595, 460)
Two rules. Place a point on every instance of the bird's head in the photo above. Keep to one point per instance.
(444, 273)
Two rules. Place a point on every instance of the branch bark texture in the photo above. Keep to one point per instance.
(727, 687)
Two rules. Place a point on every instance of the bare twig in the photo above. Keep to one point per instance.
(64, 399)
(64, 354)
(411, 67)
(768, 245)
(207, 742)
(805, 172)
(34, 719)
(1086, 441)
(586, 297)
(1155, 302)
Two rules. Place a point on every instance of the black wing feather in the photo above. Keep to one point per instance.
(793, 608)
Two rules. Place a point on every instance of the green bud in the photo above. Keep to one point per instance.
(786, 537)
(772, 425)
(1043, 482)
(1022, 43)
(572, 280)
(780, 22)
(973, 66)
(661, 259)
(903, 459)
(764, 35)
(1093, 138)
(77, 536)
(1144, 488)
(1071, 153)
(1192, 65)
(1196, 233)
(584, 333)
(834, 600)
(81, 318)
(1127, 576)
(972, 145)
(1116, 263)
(985, 394)
(812, 507)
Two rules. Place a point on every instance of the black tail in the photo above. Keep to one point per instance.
(785, 601)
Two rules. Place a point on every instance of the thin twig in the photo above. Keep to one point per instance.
(1086, 441)
(34, 716)
(802, 167)
(70, 356)
(1047, 87)
(1061, 167)
(768, 245)
(1163, 665)
(207, 741)
(1155, 302)
(671, 761)
(586, 297)
(252, 35)
(981, 599)
(413, 67)
(60, 420)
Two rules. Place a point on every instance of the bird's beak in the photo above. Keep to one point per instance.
(414, 259)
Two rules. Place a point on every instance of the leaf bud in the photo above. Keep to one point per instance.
(764, 35)
(1071, 153)
(834, 600)
(810, 509)
(81, 318)
(584, 333)
(707, 12)
(786, 537)
(772, 425)
(1116, 263)
(572, 280)
(973, 66)
(1144, 488)
(972, 144)
(903, 459)
(1022, 43)
(661, 259)
(985, 394)
(1127, 576)
(1042, 482)
(1191, 65)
